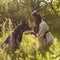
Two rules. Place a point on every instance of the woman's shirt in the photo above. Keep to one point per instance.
(43, 27)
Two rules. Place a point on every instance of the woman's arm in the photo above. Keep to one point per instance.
(32, 33)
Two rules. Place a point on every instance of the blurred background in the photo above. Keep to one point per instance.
(13, 12)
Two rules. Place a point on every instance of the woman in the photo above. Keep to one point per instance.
(41, 29)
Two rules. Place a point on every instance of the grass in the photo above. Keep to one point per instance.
(28, 50)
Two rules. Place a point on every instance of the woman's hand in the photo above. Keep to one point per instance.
(33, 36)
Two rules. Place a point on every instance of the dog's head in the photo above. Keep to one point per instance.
(25, 26)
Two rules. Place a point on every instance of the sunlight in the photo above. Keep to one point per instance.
(49, 0)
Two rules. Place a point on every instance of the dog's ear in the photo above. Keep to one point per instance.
(23, 21)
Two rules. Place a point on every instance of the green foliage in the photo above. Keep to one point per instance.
(28, 51)
(13, 13)
(18, 10)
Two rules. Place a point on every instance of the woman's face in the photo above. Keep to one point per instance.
(34, 17)
(34, 21)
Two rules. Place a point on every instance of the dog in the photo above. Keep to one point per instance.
(14, 39)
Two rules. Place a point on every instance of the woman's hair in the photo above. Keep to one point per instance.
(38, 20)
(37, 16)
